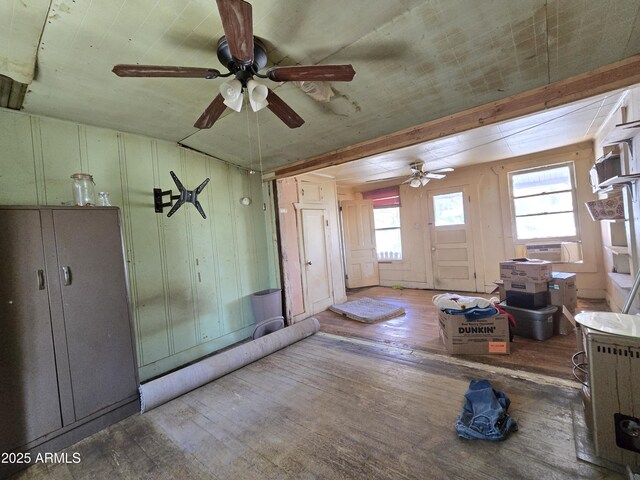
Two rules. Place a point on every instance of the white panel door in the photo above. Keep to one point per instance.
(451, 240)
(361, 257)
(316, 261)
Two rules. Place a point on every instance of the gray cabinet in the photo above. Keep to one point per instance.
(67, 359)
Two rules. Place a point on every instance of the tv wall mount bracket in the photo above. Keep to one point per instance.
(186, 196)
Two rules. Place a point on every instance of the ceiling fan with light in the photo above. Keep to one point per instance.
(244, 56)
(421, 176)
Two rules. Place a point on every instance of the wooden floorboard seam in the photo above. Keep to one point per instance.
(511, 372)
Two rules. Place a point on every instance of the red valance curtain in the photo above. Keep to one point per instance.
(384, 197)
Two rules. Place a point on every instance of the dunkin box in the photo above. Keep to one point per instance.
(525, 270)
(462, 336)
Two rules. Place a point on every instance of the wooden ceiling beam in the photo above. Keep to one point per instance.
(601, 80)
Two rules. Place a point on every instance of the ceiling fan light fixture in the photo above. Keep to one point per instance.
(415, 182)
(257, 95)
(232, 93)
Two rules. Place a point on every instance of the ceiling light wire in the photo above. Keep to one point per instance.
(527, 128)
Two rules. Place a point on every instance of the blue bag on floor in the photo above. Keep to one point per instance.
(484, 414)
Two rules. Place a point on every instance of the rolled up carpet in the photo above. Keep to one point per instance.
(168, 387)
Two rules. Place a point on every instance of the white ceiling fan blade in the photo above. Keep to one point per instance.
(442, 170)
(424, 180)
(436, 176)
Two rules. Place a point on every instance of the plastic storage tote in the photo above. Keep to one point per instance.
(536, 324)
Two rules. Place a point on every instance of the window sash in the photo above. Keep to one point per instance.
(573, 211)
(546, 202)
(394, 250)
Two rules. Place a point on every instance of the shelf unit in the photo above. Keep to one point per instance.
(618, 250)
(619, 236)
(622, 133)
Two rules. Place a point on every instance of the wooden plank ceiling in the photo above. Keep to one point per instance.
(416, 61)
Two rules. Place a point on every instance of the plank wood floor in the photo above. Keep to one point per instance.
(418, 329)
(336, 408)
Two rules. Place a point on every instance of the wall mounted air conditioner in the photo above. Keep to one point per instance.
(555, 252)
(549, 251)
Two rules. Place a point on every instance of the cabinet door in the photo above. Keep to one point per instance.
(29, 403)
(96, 313)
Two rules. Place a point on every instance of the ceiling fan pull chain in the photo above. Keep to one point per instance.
(246, 110)
(259, 144)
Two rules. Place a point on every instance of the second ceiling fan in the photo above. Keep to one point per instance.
(244, 56)
(421, 176)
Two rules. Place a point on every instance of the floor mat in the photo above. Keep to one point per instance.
(367, 310)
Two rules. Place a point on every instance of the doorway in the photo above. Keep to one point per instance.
(361, 257)
(316, 260)
(451, 239)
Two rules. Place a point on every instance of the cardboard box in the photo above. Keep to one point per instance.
(479, 337)
(527, 287)
(564, 323)
(562, 290)
(526, 270)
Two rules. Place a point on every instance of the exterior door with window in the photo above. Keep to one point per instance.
(361, 257)
(452, 257)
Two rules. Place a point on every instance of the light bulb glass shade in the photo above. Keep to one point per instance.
(424, 180)
(232, 93)
(257, 95)
(415, 182)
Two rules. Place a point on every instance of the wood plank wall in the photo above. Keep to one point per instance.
(190, 279)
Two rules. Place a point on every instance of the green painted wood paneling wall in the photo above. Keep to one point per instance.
(190, 278)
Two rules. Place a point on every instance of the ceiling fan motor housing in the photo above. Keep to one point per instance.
(236, 66)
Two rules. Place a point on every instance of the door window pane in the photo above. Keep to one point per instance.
(448, 209)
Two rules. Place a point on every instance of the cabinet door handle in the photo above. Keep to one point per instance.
(66, 272)
(40, 279)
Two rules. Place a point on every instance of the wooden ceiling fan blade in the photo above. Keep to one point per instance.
(237, 23)
(124, 70)
(211, 113)
(283, 111)
(308, 73)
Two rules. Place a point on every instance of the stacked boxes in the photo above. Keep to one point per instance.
(530, 287)
(525, 282)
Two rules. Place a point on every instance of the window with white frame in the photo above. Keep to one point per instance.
(544, 203)
(386, 218)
